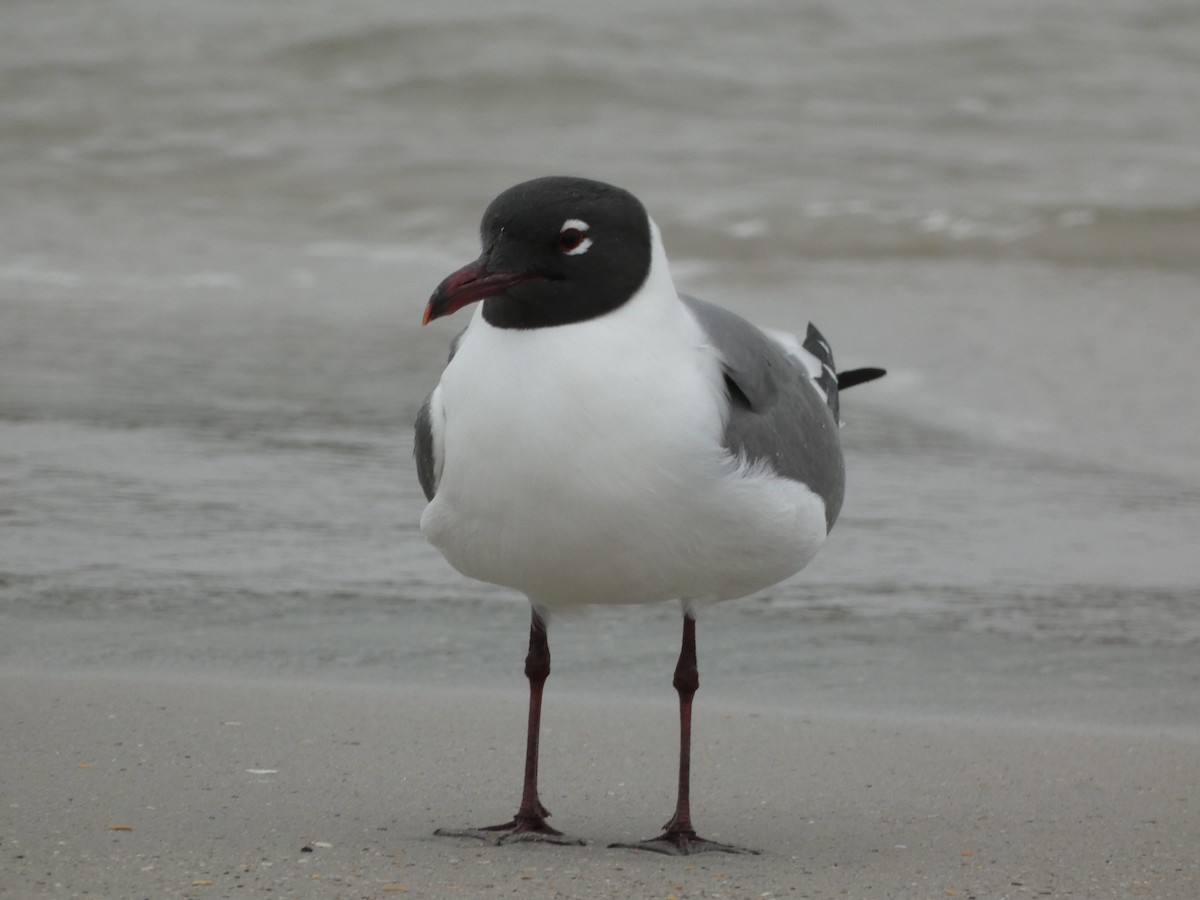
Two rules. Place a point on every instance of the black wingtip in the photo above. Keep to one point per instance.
(851, 377)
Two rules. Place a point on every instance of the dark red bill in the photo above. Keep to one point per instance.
(468, 285)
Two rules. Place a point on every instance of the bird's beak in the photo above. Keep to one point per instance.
(469, 284)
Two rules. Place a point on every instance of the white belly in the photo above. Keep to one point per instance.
(596, 474)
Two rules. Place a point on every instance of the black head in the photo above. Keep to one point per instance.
(555, 250)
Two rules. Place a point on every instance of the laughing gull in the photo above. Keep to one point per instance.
(596, 437)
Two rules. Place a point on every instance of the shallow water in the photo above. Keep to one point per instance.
(219, 223)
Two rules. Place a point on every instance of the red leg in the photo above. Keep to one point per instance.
(529, 824)
(679, 838)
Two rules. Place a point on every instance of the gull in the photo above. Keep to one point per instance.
(597, 438)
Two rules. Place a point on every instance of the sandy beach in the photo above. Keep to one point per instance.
(151, 787)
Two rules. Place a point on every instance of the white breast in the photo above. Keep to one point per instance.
(583, 464)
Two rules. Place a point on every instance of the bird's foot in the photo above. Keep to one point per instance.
(523, 828)
(682, 842)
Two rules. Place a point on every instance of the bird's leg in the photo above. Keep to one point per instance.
(531, 815)
(529, 824)
(679, 838)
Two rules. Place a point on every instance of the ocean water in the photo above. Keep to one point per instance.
(219, 223)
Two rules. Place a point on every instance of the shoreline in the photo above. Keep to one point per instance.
(124, 785)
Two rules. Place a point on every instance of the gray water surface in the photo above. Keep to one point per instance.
(219, 223)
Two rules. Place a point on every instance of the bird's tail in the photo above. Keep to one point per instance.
(825, 373)
(816, 356)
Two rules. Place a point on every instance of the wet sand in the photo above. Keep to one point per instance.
(136, 786)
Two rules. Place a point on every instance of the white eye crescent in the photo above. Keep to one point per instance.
(572, 237)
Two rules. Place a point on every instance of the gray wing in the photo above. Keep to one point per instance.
(776, 413)
(424, 448)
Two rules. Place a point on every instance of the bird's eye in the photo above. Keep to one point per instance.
(572, 237)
